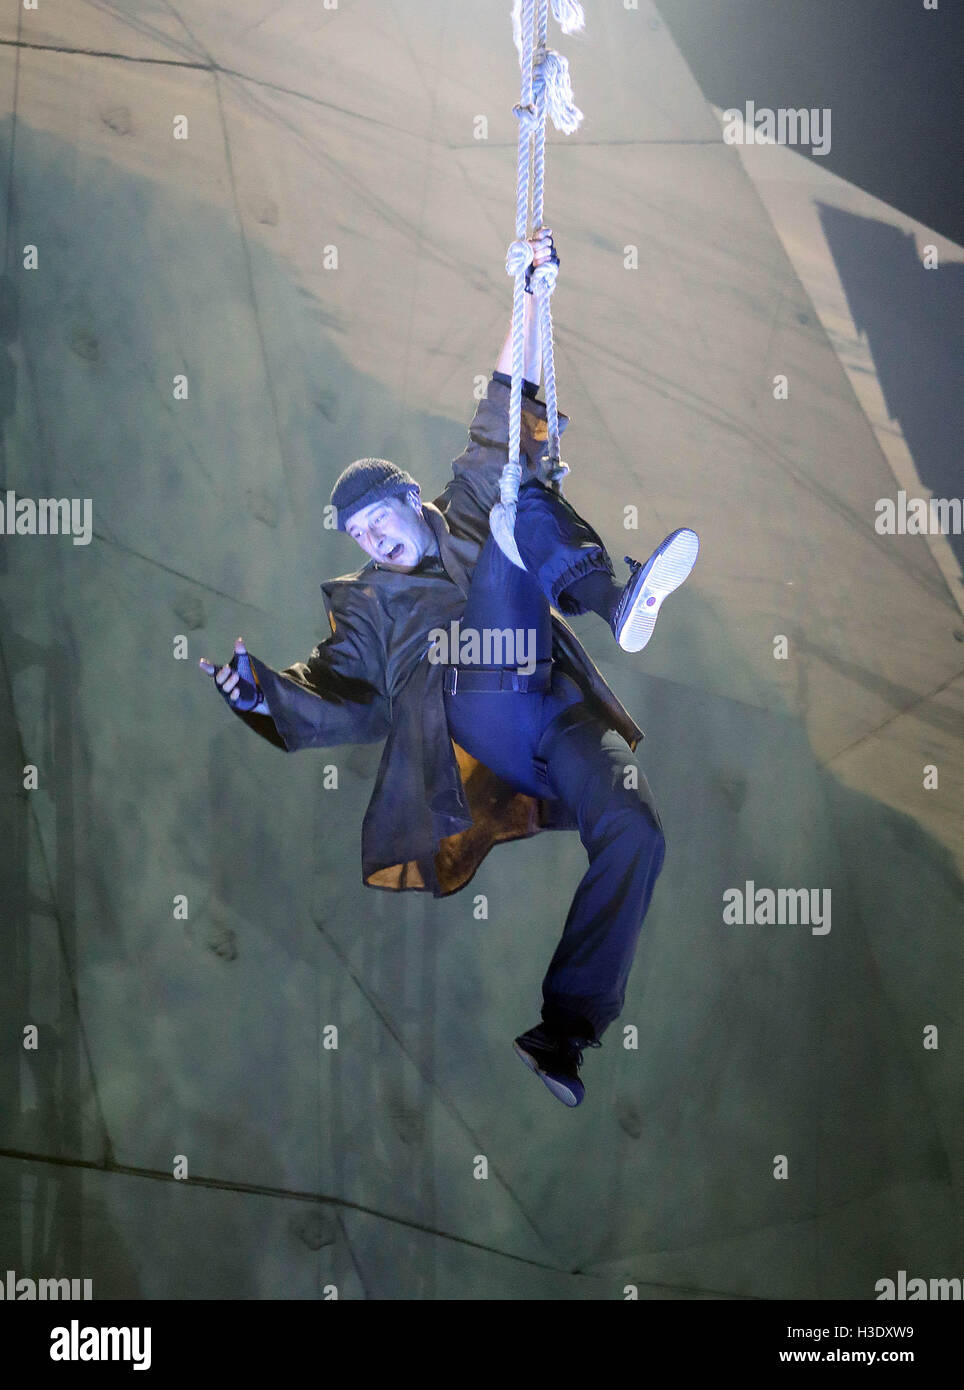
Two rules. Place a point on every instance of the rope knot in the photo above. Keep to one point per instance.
(509, 483)
(539, 79)
(529, 116)
(565, 114)
(545, 276)
(518, 257)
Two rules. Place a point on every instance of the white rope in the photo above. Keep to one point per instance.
(546, 89)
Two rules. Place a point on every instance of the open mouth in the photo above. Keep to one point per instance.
(395, 552)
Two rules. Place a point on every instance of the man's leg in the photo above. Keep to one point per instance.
(569, 561)
(560, 549)
(588, 767)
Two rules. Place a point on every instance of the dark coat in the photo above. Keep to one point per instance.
(435, 811)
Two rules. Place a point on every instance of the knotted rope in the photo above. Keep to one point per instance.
(546, 89)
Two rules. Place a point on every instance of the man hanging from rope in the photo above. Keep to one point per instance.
(475, 754)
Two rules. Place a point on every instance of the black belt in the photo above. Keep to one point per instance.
(497, 678)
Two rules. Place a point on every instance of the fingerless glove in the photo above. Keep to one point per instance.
(553, 260)
(249, 692)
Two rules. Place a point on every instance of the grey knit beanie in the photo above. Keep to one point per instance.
(366, 481)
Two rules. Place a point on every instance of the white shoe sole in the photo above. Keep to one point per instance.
(558, 1088)
(664, 572)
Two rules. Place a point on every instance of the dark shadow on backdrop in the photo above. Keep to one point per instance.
(889, 70)
(913, 319)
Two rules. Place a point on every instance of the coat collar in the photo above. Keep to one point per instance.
(457, 555)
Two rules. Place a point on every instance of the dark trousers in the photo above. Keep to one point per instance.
(552, 745)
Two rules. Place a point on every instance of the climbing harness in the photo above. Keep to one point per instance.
(546, 89)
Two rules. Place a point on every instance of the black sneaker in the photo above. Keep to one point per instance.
(556, 1060)
(647, 586)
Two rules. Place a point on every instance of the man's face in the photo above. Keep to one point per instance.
(393, 533)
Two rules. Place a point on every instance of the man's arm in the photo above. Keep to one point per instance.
(236, 681)
(474, 489)
(542, 251)
(532, 340)
(337, 696)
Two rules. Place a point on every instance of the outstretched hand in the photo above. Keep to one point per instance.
(235, 679)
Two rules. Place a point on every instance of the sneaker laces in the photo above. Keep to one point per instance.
(634, 567)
